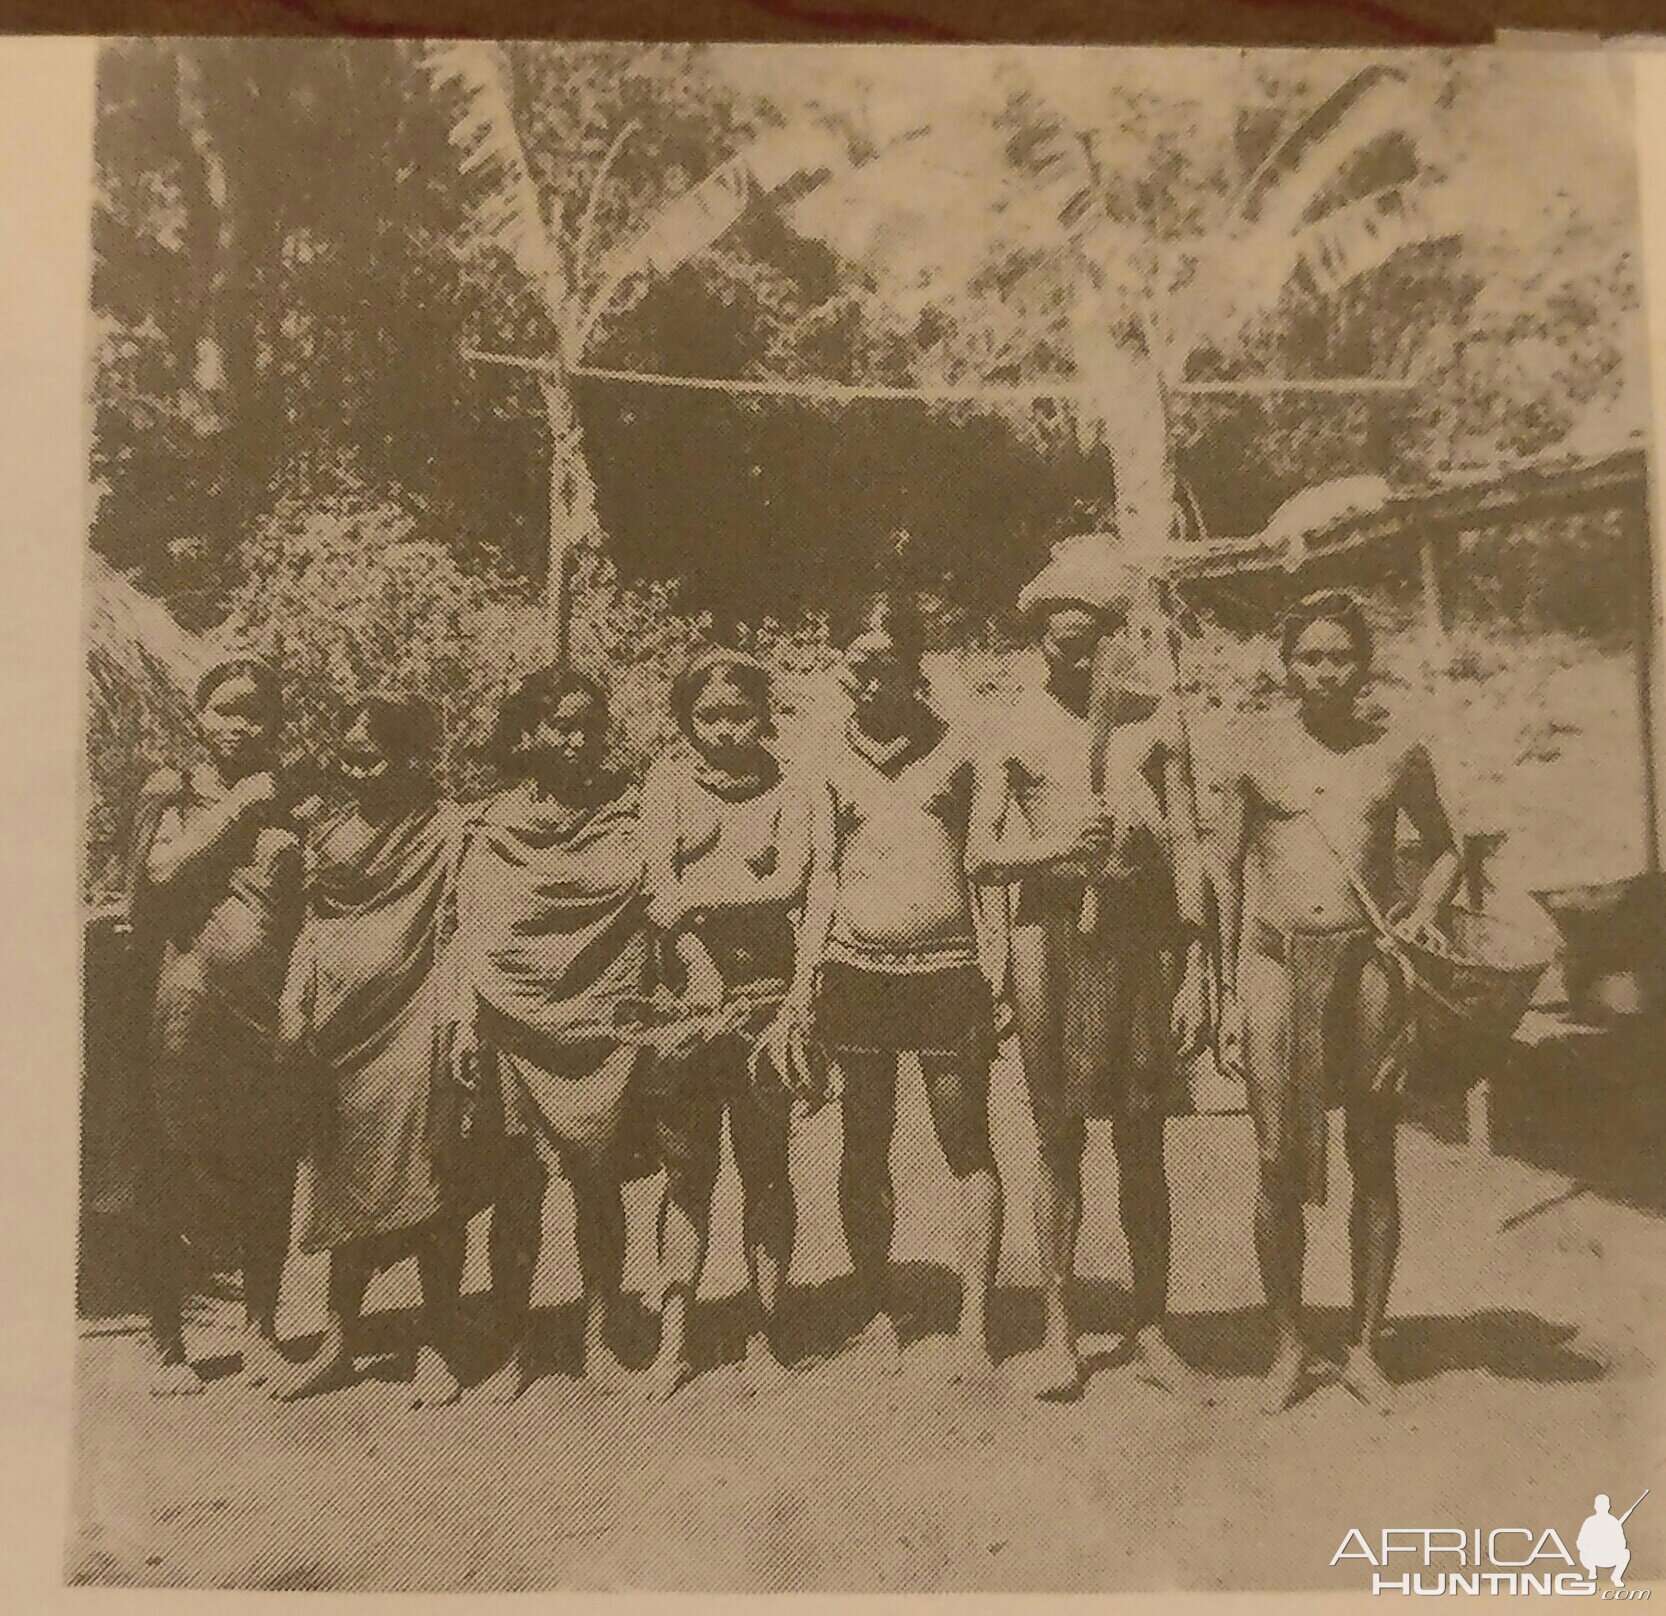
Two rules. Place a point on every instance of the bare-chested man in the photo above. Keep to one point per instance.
(1322, 1015)
(1094, 985)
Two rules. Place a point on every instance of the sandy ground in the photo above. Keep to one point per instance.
(1528, 1345)
(1527, 1342)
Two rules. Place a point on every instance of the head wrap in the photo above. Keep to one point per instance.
(748, 673)
(259, 673)
(1338, 606)
(1082, 573)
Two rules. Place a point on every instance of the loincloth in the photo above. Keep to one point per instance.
(1112, 997)
(1322, 1040)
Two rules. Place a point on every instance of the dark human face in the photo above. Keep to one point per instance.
(1325, 669)
(725, 723)
(368, 770)
(563, 747)
(1069, 638)
(882, 682)
(237, 726)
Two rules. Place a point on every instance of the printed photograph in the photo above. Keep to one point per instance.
(869, 819)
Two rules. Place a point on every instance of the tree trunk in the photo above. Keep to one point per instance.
(211, 223)
(572, 513)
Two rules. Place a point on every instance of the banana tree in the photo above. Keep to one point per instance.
(1148, 303)
(472, 83)
(577, 289)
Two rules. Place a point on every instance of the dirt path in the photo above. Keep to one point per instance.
(1530, 1345)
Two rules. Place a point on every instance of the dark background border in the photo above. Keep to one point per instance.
(1237, 22)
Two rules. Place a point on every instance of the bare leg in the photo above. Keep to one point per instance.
(513, 1244)
(440, 1256)
(1058, 1219)
(1374, 1238)
(599, 1230)
(1280, 1220)
(769, 1226)
(265, 1243)
(867, 1198)
(1137, 1136)
(1056, 1370)
(957, 1087)
(691, 1143)
(351, 1268)
(171, 1371)
(162, 1261)
(1281, 1247)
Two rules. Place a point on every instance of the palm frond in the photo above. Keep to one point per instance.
(1352, 240)
(470, 80)
(1269, 235)
(1290, 177)
(793, 160)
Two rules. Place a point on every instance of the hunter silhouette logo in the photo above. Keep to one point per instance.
(1512, 1560)
(1602, 1541)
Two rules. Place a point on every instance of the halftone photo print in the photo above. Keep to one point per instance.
(869, 819)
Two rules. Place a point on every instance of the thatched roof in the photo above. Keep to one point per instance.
(136, 649)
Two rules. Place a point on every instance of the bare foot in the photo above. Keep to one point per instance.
(329, 1369)
(1283, 1384)
(1364, 1377)
(880, 1343)
(670, 1371)
(175, 1378)
(601, 1370)
(433, 1385)
(511, 1382)
(263, 1361)
(1054, 1371)
(762, 1370)
(672, 1368)
(979, 1378)
(971, 1363)
(1159, 1365)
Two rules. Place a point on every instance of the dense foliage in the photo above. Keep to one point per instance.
(288, 433)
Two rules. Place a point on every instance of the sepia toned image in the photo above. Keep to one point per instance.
(869, 819)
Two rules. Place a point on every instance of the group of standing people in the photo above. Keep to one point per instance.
(440, 1004)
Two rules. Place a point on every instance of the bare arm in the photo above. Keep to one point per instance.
(1185, 822)
(1232, 852)
(178, 852)
(821, 895)
(988, 831)
(1000, 846)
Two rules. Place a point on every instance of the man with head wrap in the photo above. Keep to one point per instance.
(1094, 828)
